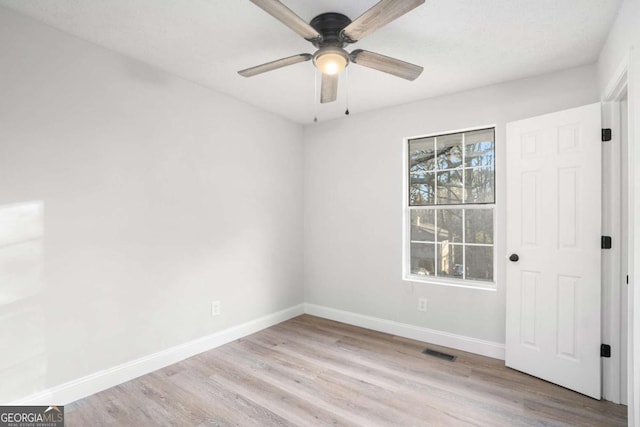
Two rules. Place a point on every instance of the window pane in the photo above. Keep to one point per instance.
(479, 262)
(479, 185)
(450, 188)
(449, 151)
(479, 226)
(450, 260)
(478, 146)
(423, 194)
(450, 225)
(423, 225)
(422, 259)
(421, 176)
(451, 177)
(422, 154)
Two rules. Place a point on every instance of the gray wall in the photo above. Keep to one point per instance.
(353, 203)
(143, 197)
(140, 198)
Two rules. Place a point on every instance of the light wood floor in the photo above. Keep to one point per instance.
(312, 371)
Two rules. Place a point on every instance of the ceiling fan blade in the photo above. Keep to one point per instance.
(329, 90)
(386, 64)
(285, 15)
(274, 65)
(378, 16)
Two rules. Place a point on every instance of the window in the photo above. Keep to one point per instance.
(450, 208)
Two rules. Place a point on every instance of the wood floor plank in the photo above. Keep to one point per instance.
(458, 401)
(525, 384)
(313, 371)
(338, 391)
(289, 404)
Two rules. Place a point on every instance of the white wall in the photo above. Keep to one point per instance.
(353, 203)
(129, 200)
(624, 41)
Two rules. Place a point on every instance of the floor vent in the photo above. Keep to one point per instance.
(440, 355)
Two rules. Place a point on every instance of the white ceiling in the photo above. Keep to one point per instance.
(462, 44)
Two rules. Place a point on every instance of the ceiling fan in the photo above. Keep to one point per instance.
(330, 33)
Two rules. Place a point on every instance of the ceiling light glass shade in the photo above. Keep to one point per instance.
(331, 61)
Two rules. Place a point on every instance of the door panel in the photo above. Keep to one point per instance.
(553, 224)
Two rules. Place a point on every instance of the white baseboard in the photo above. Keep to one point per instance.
(73, 390)
(445, 339)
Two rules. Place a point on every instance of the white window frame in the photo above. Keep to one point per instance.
(406, 219)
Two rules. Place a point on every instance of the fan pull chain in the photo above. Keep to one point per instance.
(315, 95)
(346, 75)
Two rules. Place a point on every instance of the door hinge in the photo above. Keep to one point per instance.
(605, 350)
(605, 242)
(606, 135)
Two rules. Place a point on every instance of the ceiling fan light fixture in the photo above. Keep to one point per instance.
(331, 60)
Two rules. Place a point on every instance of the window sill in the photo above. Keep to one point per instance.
(482, 286)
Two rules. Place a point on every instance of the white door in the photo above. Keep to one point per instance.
(553, 226)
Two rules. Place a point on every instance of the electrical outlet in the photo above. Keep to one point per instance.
(422, 304)
(215, 308)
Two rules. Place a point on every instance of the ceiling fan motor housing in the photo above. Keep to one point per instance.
(330, 25)
(330, 46)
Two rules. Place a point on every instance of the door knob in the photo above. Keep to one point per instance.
(514, 257)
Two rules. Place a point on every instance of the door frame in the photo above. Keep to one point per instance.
(612, 276)
(618, 86)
